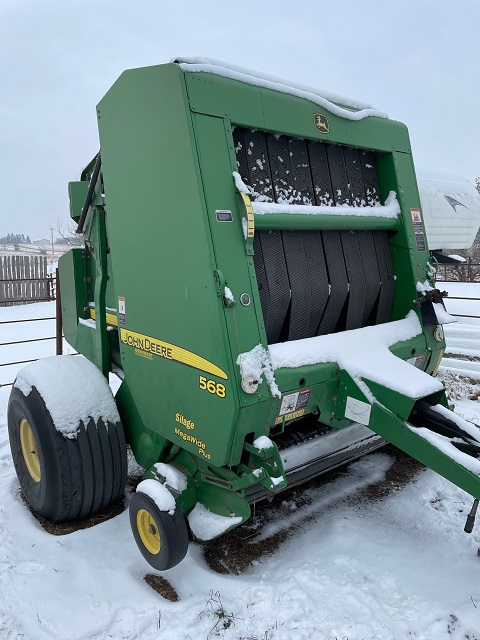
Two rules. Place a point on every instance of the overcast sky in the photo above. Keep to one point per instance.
(418, 60)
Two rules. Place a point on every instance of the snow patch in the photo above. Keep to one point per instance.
(239, 183)
(263, 443)
(245, 228)
(173, 476)
(88, 323)
(423, 287)
(159, 494)
(472, 429)
(73, 390)
(390, 209)
(324, 99)
(206, 525)
(444, 444)
(442, 316)
(228, 295)
(257, 362)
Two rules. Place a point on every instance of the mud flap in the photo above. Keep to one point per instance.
(374, 405)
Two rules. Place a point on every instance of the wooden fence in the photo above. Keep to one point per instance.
(24, 279)
(459, 272)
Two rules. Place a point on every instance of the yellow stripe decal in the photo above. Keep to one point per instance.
(290, 416)
(250, 219)
(162, 349)
(111, 318)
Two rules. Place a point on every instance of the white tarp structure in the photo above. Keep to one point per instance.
(451, 211)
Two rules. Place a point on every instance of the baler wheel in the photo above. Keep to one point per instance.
(62, 478)
(161, 538)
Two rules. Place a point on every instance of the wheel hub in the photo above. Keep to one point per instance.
(29, 450)
(148, 532)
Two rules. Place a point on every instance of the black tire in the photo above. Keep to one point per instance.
(172, 532)
(74, 477)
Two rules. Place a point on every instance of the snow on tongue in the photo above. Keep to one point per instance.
(363, 353)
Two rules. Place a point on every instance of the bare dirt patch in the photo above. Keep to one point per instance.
(64, 528)
(162, 587)
(234, 552)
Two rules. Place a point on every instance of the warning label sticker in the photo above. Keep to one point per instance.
(223, 215)
(294, 401)
(358, 411)
(417, 361)
(416, 219)
(418, 229)
(121, 310)
(420, 240)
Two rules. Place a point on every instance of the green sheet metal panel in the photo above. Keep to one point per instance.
(163, 265)
(259, 108)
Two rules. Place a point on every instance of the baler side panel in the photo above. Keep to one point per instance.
(163, 266)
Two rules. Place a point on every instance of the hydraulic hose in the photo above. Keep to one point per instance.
(91, 189)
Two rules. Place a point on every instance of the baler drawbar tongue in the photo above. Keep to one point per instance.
(423, 428)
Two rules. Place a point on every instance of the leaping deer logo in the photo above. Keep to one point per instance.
(321, 123)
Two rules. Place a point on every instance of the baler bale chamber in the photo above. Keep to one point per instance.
(256, 272)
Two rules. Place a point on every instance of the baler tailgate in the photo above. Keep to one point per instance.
(315, 282)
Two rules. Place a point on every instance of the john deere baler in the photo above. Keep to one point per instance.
(256, 272)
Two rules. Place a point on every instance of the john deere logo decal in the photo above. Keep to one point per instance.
(321, 123)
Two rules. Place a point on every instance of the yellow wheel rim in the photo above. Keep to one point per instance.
(148, 531)
(29, 450)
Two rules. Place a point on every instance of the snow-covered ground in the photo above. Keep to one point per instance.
(462, 355)
(351, 567)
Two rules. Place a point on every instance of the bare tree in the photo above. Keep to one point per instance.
(66, 232)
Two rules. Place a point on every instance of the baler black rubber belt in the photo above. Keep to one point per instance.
(298, 318)
(306, 161)
(337, 278)
(387, 288)
(355, 177)
(356, 279)
(261, 278)
(370, 180)
(317, 153)
(282, 178)
(258, 163)
(273, 256)
(301, 293)
(338, 175)
(372, 275)
(318, 276)
(300, 166)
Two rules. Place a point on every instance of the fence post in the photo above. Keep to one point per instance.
(58, 315)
